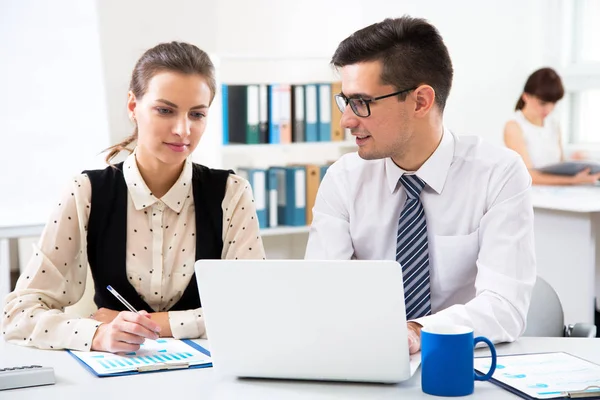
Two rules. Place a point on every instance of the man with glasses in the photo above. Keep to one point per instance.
(455, 212)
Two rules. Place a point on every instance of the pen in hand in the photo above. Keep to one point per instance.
(123, 301)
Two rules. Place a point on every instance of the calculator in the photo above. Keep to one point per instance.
(25, 376)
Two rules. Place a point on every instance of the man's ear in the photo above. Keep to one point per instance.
(424, 97)
(131, 104)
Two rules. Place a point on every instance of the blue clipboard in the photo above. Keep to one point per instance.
(135, 371)
(579, 394)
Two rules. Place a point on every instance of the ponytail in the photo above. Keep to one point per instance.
(520, 104)
(117, 148)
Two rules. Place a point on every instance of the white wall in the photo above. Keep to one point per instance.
(494, 46)
(128, 28)
(53, 118)
(65, 84)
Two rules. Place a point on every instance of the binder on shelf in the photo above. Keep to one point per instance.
(285, 116)
(252, 114)
(337, 133)
(313, 179)
(274, 114)
(324, 113)
(263, 108)
(298, 123)
(272, 198)
(237, 114)
(291, 195)
(258, 181)
(225, 99)
(311, 113)
(323, 170)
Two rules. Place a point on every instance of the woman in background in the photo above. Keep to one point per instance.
(140, 224)
(536, 136)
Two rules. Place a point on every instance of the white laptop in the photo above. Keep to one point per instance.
(314, 320)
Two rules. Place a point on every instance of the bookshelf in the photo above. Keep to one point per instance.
(284, 230)
(281, 241)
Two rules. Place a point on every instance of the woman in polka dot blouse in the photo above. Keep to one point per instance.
(140, 224)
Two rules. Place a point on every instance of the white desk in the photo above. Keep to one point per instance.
(567, 236)
(75, 382)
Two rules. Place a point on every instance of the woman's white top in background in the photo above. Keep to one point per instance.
(160, 258)
(543, 142)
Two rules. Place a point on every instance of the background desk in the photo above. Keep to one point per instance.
(567, 239)
(11, 230)
(75, 382)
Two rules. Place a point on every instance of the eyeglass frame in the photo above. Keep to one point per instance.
(366, 101)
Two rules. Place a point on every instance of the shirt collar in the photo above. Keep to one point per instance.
(141, 195)
(433, 172)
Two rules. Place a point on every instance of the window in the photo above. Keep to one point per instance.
(584, 120)
(582, 73)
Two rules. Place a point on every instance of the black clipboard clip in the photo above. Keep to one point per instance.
(588, 392)
(162, 367)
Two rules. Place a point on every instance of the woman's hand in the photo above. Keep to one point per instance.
(105, 315)
(585, 177)
(579, 155)
(126, 332)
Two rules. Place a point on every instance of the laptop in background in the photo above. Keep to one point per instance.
(306, 319)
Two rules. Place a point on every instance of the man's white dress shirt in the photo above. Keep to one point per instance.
(479, 215)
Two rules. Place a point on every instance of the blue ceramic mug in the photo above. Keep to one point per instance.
(447, 354)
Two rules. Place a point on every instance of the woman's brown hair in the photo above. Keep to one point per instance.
(179, 57)
(545, 84)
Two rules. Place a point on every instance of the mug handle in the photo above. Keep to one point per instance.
(493, 351)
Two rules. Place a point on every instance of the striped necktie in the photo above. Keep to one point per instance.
(412, 251)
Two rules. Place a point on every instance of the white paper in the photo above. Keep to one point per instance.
(152, 352)
(543, 376)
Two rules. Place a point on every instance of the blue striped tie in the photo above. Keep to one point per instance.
(412, 251)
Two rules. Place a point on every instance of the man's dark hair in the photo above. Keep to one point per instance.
(411, 51)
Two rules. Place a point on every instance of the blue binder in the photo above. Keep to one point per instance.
(272, 190)
(324, 114)
(323, 170)
(225, 99)
(311, 101)
(274, 114)
(291, 204)
(258, 182)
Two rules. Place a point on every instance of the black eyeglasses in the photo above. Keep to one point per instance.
(361, 106)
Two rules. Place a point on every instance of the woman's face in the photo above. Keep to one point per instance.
(537, 106)
(171, 116)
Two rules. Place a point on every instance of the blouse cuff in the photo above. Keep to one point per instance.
(186, 324)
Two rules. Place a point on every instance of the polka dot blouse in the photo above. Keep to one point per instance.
(161, 246)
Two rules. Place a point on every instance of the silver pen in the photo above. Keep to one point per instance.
(121, 299)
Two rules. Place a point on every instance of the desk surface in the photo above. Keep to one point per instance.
(583, 199)
(73, 381)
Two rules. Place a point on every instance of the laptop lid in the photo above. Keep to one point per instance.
(301, 319)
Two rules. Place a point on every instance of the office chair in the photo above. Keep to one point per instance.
(546, 318)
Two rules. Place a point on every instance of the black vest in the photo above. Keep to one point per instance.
(107, 233)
